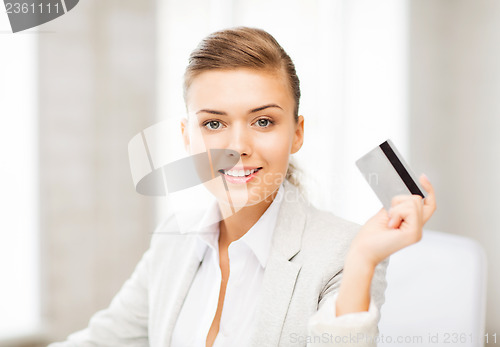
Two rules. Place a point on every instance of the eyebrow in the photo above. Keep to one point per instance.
(257, 109)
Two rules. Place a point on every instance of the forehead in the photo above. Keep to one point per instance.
(236, 89)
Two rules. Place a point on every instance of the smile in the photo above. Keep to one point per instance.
(239, 173)
(239, 176)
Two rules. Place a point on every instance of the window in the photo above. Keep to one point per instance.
(19, 243)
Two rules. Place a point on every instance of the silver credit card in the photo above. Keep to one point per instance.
(388, 174)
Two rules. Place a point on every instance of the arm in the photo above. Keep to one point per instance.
(349, 311)
(357, 329)
(354, 293)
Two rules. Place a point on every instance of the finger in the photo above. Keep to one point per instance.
(424, 180)
(408, 214)
(402, 212)
(399, 199)
(430, 200)
(412, 205)
(381, 216)
(403, 199)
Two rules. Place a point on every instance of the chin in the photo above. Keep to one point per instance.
(241, 195)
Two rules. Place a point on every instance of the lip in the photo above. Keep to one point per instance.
(240, 180)
(244, 168)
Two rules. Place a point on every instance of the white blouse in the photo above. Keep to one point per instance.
(247, 262)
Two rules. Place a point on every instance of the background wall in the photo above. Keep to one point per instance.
(455, 121)
(97, 90)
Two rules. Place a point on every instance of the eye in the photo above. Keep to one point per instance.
(264, 122)
(212, 125)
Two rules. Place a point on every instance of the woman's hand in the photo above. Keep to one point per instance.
(381, 236)
(387, 232)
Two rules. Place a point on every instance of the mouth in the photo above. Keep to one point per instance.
(239, 176)
(239, 173)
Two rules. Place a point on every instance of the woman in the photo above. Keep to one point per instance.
(272, 270)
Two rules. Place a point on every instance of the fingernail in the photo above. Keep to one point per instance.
(425, 177)
(391, 222)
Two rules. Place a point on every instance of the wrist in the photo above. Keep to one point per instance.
(360, 260)
(357, 275)
(354, 292)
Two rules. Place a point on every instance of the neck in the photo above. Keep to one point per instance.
(236, 225)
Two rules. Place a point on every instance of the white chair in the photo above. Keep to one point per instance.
(436, 294)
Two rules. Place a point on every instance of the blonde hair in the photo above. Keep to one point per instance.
(244, 47)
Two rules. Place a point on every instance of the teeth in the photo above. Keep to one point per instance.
(239, 173)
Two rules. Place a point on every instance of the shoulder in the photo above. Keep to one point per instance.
(170, 238)
(321, 230)
(326, 233)
(325, 222)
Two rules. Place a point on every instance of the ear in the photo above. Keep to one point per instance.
(185, 133)
(298, 138)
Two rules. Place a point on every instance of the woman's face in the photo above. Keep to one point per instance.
(250, 112)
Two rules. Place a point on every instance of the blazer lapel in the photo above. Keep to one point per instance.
(280, 274)
(187, 270)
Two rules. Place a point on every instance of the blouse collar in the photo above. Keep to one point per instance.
(258, 238)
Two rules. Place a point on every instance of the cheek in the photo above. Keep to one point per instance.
(198, 145)
(207, 142)
(199, 142)
(275, 149)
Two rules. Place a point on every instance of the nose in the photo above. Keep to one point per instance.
(240, 140)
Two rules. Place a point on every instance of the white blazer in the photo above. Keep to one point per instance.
(297, 304)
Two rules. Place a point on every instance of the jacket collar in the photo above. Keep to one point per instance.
(287, 237)
(281, 273)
